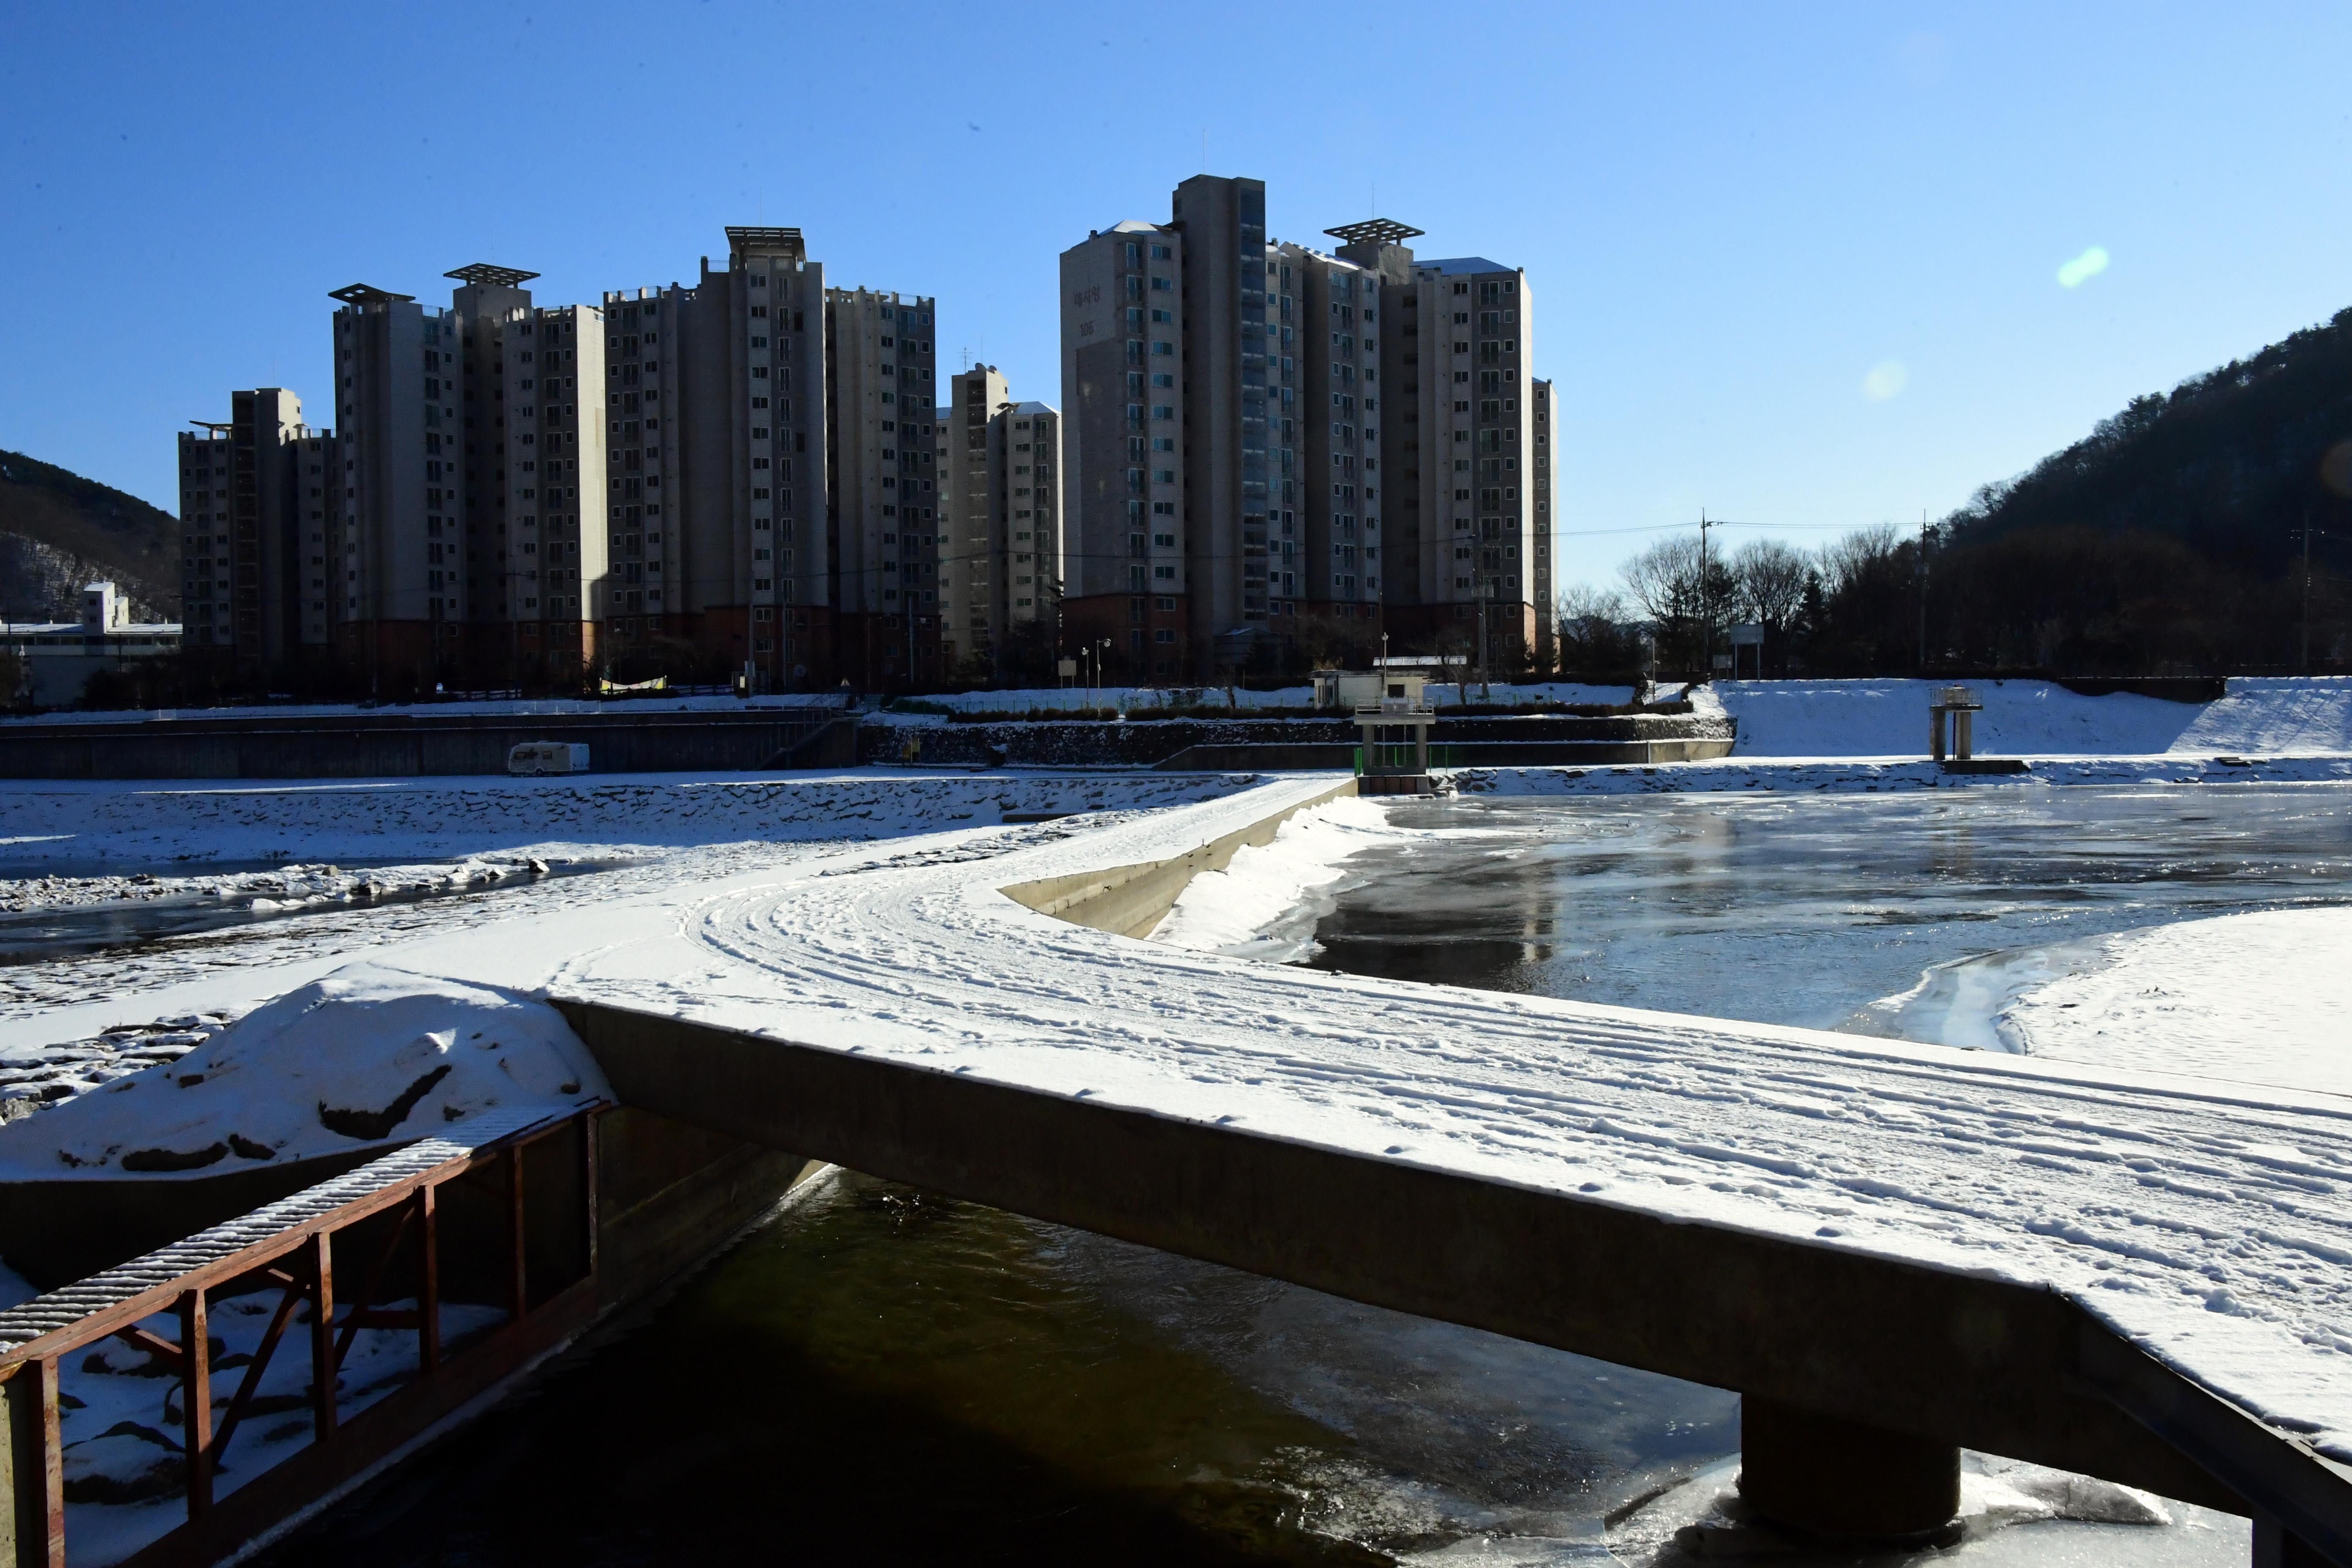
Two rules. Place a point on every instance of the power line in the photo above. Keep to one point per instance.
(1712, 523)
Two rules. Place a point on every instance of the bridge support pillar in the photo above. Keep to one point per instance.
(1841, 1477)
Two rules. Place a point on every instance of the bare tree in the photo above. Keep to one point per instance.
(1664, 580)
(1858, 557)
(1594, 638)
(1581, 602)
(1770, 578)
(1683, 592)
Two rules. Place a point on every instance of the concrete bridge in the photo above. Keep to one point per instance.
(1867, 1356)
(1863, 1375)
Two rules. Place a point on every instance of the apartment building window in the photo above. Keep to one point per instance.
(1162, 253)
(1163, 348)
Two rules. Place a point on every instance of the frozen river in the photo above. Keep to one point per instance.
(1808, 908)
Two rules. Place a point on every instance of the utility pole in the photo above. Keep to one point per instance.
(2307, 590)
(1705, 619)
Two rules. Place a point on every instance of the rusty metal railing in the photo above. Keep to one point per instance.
(290, 1245)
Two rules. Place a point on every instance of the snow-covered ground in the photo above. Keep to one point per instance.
(2260, 716)
(1263, 905)
(287, 888)
(2261, 997)
(146, 826)
(1865, 775)
(55, 1017)
(2202, 1219)
(361, 1057)
(2051, 1175)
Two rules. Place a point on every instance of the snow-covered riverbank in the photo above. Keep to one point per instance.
(152, 826)
(2260, 997)
(2044, 1172)
(1865, 775)
(2259, 715)
(1832, 1141)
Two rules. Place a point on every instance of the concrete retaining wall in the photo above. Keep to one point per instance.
(1151, 743)
(1132, 899)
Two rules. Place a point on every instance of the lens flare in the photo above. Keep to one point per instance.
(1886, 379)
(2088, 265)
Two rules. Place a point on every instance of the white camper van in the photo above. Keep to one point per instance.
(548, 757)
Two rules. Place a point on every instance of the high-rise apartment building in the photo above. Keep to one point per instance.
(525, 567)
(1272, 444)
(545, 550)
(1124, 351)
(717, 400)
(747, 467)
(253, 511)
(882, 535)
(1031, 439)
(971, 565)
(1463, 453)
(776, 493)
(467, 544)
(399, 388)
(1001, 571)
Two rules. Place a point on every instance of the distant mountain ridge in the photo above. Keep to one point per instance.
(59, 531)
(2229, 462)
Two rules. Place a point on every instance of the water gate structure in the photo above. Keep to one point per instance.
(1298, 1145)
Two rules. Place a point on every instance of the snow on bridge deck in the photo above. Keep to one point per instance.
(2204, 1220)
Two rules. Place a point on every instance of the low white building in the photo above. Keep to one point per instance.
(57, 658)
(1357, 690)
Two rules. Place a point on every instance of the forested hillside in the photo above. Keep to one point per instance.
(59, 531)
(2228, 463)
(2168, 542)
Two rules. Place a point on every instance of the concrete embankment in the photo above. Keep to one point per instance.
(1132, 899)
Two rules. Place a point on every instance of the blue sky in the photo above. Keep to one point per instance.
(1797, 265)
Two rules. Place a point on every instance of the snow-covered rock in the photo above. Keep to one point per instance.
(365, 1057)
